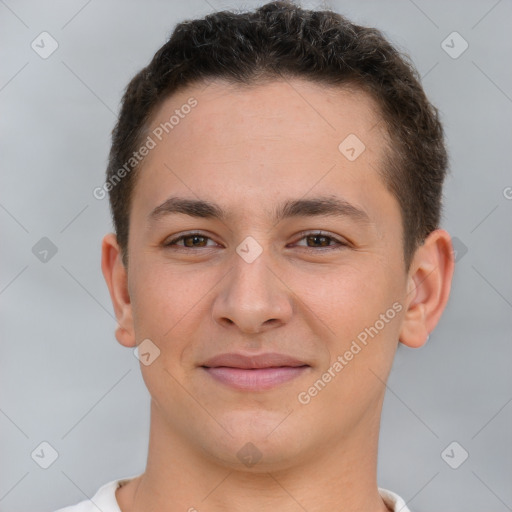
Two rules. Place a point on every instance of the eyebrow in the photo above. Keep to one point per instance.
(318, 206)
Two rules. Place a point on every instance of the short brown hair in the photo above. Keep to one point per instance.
(281, 39)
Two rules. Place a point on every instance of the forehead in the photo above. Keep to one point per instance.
(295, 108)
(289, 135)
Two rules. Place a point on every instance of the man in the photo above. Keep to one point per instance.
(275, 181)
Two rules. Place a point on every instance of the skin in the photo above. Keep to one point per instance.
(248, 150)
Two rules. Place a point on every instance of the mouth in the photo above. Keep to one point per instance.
(254, 373)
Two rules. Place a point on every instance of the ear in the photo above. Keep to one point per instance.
(116, 277)
(428, 286)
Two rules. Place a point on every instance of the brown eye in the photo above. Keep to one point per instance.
(321, 240)
(190, 240)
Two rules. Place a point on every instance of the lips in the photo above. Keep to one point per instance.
(256, 372)
(267, 360)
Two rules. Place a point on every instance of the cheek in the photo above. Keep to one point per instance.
(164, 304)
(344, 296)
(168, 304)
(157, 301)
(359, 305)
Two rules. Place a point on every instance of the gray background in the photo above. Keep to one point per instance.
(65, 380)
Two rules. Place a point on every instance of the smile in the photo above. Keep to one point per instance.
(255, 372)
(255, 379)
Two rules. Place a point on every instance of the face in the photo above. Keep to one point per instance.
(277, 305)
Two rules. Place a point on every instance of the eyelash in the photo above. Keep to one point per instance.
(303, 235)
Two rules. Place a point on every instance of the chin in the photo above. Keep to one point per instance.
(257, 442)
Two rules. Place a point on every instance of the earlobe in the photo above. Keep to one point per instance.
(429, 284)
(116, 277)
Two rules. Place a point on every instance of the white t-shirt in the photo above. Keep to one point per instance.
(105, 499)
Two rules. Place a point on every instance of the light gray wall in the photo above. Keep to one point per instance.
(65, 380)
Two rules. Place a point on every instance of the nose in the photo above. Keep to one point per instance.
(252, 297)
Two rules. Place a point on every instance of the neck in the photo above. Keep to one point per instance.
(341, 477)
